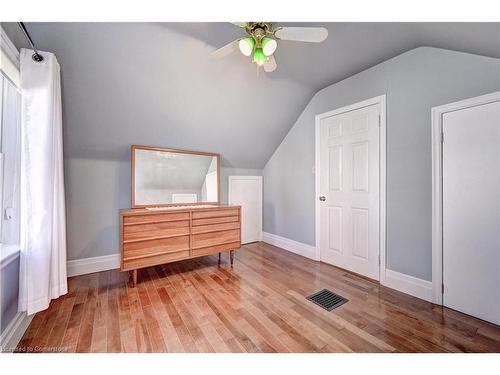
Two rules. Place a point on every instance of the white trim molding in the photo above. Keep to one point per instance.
(14, 332)
(9, 60)
(91, 265)
(9, 48)
(381, 101)
(437, 184)
(295, 247)
(408, 284)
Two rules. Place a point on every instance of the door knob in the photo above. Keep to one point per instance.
(322, 198)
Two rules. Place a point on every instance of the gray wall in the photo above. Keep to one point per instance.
(152, 84)
(414, 82)
(155, 84)
(9, 290)
(95, 191)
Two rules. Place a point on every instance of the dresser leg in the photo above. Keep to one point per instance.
(133, 278)
(231, 256)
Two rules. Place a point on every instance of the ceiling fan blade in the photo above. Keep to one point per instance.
(240, 24)
(302, 34)
(225, 50)
(270, 64)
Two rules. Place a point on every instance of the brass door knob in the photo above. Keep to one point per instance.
(322, 198)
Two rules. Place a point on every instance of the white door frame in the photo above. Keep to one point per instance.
(381, 101)
(256, 178)
(437, 184)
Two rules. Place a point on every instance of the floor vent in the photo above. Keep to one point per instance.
(327, 299)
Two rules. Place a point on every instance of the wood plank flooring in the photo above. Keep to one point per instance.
(257, 306)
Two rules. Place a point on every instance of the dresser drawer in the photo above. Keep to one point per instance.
(135, 263)
(215, 249)
(137, 232)
(215, 227)
(215, 220)
(215, 238)
(154, 218)
(215, 213)
(155, 247)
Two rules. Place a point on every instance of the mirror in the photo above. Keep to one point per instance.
(165, 177)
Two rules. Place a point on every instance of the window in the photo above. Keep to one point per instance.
(10, 151)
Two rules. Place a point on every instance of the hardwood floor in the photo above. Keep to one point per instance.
(258, 306)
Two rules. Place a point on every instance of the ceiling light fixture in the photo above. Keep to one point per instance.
(259, 57)
(261, 41)
(268, 46)
(246, 45)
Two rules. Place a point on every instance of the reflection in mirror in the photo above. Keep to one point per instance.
(169, 177)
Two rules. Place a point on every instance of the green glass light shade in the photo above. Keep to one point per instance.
(258, 56)
(246, 46)
(268, 46)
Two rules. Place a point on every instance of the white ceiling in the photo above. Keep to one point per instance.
(155, 84)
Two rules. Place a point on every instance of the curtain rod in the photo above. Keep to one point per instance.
(36, 56)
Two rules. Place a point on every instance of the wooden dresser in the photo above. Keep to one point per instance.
(152, 237)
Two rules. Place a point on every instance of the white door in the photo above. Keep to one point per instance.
(246, 191)
(349, 190)
(471, 211)
(211, 181)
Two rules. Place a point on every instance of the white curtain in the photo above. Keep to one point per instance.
(43, 219)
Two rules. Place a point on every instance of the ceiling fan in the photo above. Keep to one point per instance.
(261, 41)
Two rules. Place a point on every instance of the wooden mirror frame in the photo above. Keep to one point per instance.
(136, 147)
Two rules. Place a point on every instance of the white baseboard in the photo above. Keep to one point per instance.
(299, 248)
(413, 286)
(91, 265)
(14, 332)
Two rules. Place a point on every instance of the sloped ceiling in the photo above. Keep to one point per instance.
(155, 83)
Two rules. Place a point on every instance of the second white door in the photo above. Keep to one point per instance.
(471, 210)
(246, 191)
(349, 190)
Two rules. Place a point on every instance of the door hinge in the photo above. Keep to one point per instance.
(442, 288)
(442, 137)
(379, 260)
(379, 121)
